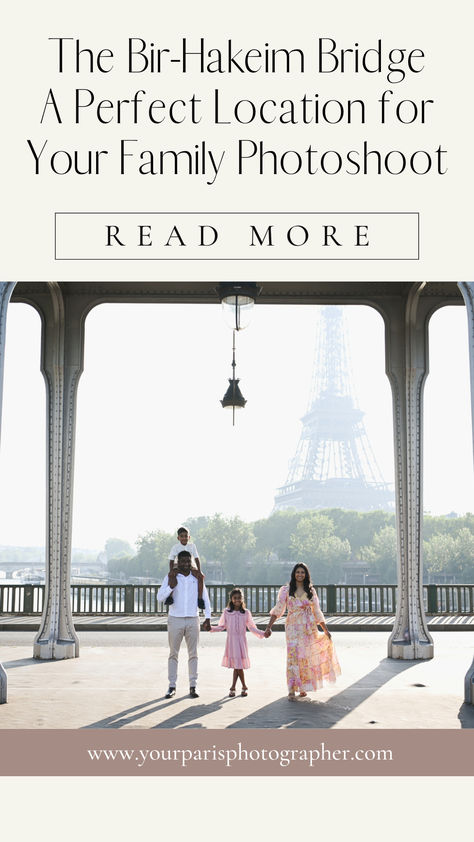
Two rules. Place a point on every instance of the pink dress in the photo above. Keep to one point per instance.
(311, 658)
(236, 654)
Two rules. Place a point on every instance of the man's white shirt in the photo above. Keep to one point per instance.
(185, 596)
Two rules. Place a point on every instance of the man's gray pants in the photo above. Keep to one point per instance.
(179, 627)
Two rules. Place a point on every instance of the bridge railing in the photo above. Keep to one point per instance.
(143, 599)
(21, 599)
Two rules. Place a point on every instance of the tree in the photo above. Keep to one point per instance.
(229, 541)
(273, 534)
(150, 560)
(152, 553)
(196, 526)
(451, 555)
(122, 567)
(314, 543)
(446, 525)
(382, 555)
(438, 553)
(358, 527)
(465, 554)
(117, 548)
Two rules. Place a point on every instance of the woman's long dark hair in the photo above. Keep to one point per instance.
(307, 584)
(230, 604)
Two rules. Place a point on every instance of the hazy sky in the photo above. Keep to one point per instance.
(154, 445)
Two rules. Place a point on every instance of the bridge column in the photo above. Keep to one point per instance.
(407, 367)
(467, 289)
(6, 288)
(62, 363)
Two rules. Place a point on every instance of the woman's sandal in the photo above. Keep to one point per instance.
(292, 695)
(303, 694)
(244, 691)
(231, 693)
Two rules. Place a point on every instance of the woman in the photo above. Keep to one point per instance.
(311, 658)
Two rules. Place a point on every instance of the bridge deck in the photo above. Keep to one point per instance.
(158, 622)
(120, 679)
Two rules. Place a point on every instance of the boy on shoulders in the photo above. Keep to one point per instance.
(184, 543)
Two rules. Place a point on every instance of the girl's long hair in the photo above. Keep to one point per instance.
(230, 604)
(307, 584)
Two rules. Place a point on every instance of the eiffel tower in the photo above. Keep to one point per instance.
(334, 465)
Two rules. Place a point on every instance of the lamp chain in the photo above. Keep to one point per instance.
(233, 378)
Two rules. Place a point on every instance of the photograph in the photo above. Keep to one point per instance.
(302, 513)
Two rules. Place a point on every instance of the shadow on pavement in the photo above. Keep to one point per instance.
(311, 713)
(132, 715)
(127, 717)
(21, 662)
(304, 713)
(190, 714)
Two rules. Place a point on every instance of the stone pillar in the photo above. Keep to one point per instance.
(62, 363)
(407, 367)
(6, 288)
(467, 289)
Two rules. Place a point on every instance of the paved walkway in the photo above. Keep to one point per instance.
(120, 680)
(158, 622)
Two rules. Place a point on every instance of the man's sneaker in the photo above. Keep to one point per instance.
(193, 693)
(171, 692)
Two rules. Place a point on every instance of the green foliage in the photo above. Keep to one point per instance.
(451, 555)
(273, 534)
(196, 526)
(265, 551)
(442, 525)
(381, 554)
(122, 567)
(152, 552)
(359, 528)
(314, 543)
(117, 548)
(229, 541)
(150, 561)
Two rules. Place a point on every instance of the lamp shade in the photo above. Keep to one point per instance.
(233, 398)
(237, 303)
(237, 311)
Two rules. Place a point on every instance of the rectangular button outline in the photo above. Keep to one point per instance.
(237, 213)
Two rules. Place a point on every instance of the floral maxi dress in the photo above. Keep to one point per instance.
(311, 658)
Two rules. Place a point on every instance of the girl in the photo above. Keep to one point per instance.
(236, 618)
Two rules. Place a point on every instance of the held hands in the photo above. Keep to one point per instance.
(268, 631)
(206, 626)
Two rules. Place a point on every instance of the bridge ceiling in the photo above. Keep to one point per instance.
(283, 292)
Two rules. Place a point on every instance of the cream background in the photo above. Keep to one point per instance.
(121, 807)
(28, 71)
(360, 809)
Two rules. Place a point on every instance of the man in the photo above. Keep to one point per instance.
(185, 544)
(183, 620)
